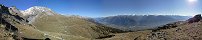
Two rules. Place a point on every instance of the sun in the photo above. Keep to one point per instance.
(191, 1)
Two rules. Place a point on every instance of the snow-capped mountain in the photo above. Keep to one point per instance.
(36, 11)
(45, 24)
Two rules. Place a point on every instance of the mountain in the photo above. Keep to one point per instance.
(139, 22)
(41, 23)
(14, 26)
(181, 30)
(33, 12)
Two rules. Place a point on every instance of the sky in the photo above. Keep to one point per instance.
(101, 8)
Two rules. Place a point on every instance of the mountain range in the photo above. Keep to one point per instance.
(41, 23)
(139, 22)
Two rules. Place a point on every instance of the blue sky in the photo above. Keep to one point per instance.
(100, 8)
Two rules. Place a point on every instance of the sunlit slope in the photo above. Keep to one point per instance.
(70, 25)
(182, 30)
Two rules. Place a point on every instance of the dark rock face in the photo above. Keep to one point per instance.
(9, 17)
(6, 19)
(16, 13)
(4, 15)
(196, 18)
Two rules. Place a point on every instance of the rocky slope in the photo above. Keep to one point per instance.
(14, 27)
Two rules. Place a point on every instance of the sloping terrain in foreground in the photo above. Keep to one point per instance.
(183, 30)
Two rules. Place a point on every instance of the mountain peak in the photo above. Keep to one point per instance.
(36, 10)
(39, 8)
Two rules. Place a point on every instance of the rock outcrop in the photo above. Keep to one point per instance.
(12, 24)
(196, 18)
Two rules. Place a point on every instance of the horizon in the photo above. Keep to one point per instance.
(103, 8)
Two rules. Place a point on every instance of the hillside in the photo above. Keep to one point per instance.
(41, 23)
(14, 27)
(182, 30)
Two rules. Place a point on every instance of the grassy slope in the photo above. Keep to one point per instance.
(71, 26)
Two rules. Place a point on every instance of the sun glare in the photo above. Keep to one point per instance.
(192, 1)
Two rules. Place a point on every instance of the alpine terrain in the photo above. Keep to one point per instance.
(41, 23)
(139, 22)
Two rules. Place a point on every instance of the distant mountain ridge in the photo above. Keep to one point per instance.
(190, 29)
(139, 21)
